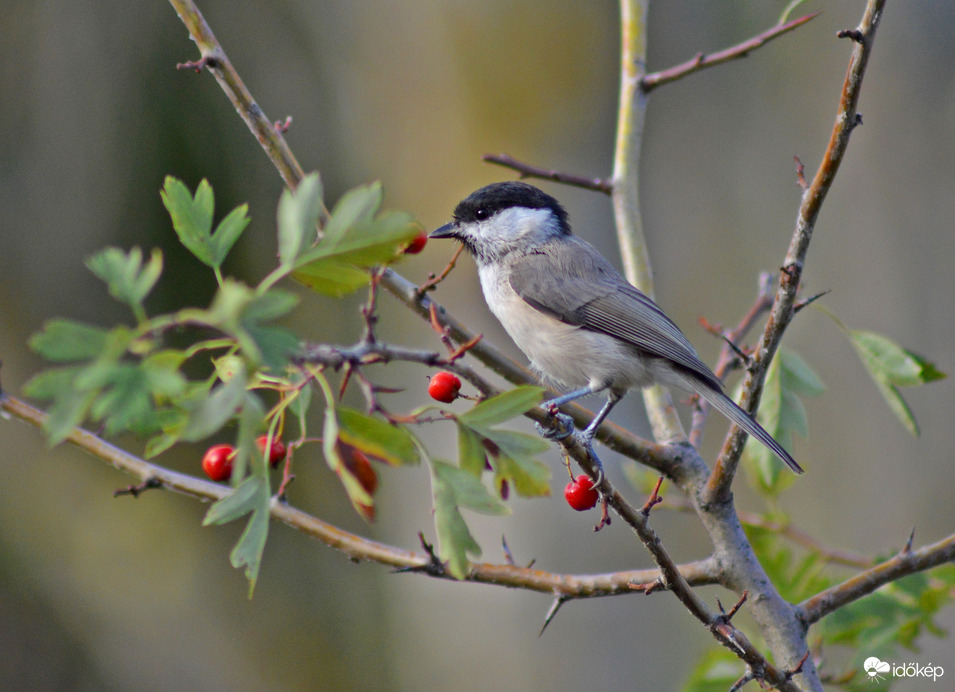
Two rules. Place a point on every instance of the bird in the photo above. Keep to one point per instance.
(581, 324)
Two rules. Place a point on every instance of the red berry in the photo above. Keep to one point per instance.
(217, 462)
(277, 451)
(444, 387)
(581, 494)
(417, 244)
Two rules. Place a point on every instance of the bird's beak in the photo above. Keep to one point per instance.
(446, 231)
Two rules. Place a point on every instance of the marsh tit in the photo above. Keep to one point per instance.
(581, 324)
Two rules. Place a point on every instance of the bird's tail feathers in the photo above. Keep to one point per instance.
(731, 410)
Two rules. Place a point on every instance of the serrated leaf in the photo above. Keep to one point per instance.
(216, 410)
(227, 233)
(502, 407)
(391, 444)
(191, 216)
(64, 341)
(127, 279)
(355, 240)
(298, 215)
(891, 366)
(357, 206)
(515, 464)
(242, 500)
(70, 405)
(332, 278)
(252, 495)
(453, 489)
(472, 456)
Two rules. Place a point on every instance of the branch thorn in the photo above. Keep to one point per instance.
(197, 65)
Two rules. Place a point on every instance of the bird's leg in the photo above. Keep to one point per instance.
(565, 421)
(591, 429)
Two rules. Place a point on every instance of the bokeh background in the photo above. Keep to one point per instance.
(101, 593)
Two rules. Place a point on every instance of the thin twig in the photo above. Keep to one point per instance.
(701, 61)
(528, 170)
(719, 485)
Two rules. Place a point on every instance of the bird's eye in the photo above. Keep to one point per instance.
(481, 214)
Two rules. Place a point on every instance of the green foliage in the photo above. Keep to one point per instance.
(357, 238)
(453, 489)
(128, 280)
(891, 367)
(192, 219)
(781, 413)
(511, 454)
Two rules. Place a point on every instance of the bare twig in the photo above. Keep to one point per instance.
(783, 305)
(530, 171)
(701, 61)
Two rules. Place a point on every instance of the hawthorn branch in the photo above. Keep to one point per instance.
(784, 303)
(906, 562)
(568, 586)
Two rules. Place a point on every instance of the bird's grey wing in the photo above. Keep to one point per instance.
(592, 295)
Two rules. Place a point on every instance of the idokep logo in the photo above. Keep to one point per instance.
(878, 670)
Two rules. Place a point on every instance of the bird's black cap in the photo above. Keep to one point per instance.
(491, 199)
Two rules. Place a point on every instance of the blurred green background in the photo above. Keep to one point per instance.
(102, 593)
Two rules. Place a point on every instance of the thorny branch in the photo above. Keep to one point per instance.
(670, 460)
(783, 306)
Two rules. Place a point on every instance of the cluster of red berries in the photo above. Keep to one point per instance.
(217, 461)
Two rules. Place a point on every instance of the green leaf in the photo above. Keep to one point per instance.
(472, 456)
(216, 410)
(453, 489)
(502, 407)
(331, 278)
(514, 462)
(781, 412)
(716, 671)
(391, 444)
(64, 341)
(298, 216)
(192, 219)
(252, 495)
(70, 405)
(354, 208)
(891, 367)
(227, 233)
(125, 275)
(243, 313)
(355, 240)
(512, 452)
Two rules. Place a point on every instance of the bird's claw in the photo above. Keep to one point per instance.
(563, 428)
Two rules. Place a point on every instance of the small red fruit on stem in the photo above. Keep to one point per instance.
(217, 462)
(444, 387)
(417, 244)
(276, 451)
(581, 494)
